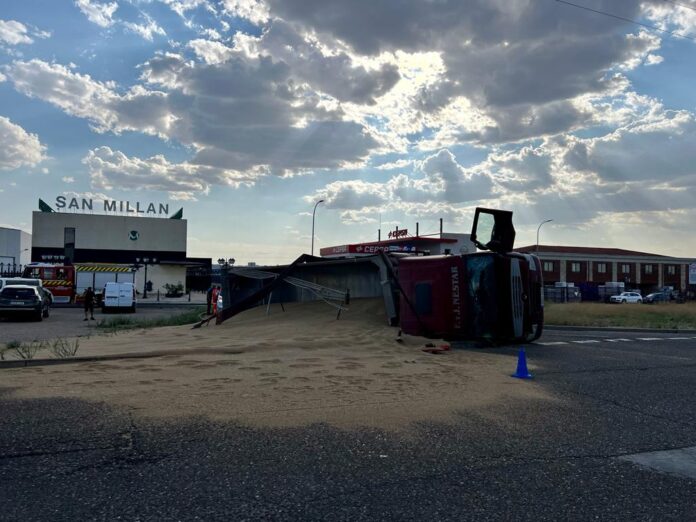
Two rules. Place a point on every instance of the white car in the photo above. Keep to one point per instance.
(626, 297)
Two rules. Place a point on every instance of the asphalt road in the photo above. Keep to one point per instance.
(67, 459)
(68, 322)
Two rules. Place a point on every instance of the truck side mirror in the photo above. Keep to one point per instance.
(493, 230)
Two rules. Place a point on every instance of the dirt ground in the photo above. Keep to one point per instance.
(289, 368)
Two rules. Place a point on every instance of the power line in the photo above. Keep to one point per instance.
(629, 20)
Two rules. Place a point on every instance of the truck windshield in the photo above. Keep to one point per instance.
(482, 307)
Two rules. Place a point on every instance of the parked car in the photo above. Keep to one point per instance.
(626, 297)
(45, 292)
(656, 297)
(23, 300)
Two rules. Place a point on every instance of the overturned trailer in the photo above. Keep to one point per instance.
(494, 295)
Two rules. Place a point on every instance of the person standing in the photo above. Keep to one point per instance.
(89, 303)
(216, 291)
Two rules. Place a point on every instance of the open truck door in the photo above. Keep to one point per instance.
(493, 230)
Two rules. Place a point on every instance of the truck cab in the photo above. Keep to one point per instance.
(493, 295)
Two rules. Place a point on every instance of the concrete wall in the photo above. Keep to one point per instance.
(15, 246)
(104, 232)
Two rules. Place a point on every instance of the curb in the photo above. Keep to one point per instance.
(22, 363)
(561, 328)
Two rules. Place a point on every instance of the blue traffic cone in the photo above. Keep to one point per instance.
(522, 372)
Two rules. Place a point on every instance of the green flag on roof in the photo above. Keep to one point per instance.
(44, 207)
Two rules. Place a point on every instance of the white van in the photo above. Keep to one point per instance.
(119, 296)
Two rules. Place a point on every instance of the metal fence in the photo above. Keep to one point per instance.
(11, 270)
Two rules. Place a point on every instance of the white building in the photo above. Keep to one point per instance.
(159, 243)
(15, 246)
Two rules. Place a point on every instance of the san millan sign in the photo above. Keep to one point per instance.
(112, 205)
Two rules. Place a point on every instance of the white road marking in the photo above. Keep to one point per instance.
(678, 461)
(614, 340)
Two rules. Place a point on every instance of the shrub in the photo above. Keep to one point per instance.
(27, 351)
(64, 348)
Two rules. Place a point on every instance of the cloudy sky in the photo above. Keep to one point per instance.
(246, 112)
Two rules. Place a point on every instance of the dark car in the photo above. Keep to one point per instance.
(45, 293)
(657, 297)
(23, 300)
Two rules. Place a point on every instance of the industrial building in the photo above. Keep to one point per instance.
(589, 267)
(154, 246)
(15, 248)
(401, 241)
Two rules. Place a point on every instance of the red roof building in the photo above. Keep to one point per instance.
(593, 266)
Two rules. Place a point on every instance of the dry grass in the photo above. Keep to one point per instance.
(666, 315)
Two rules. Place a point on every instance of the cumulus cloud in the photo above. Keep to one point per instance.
(354, 194)
(19, 148)
(148, 29)
(97, 12)
(13, 32)
(334, 73)
(113, 169)
(181, 7)
(524, 68)
(82, 96)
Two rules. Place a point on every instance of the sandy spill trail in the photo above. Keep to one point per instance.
(286, 369)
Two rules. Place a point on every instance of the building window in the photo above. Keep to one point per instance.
(69, 243)
(648, 269)
(548, 266)
(601, 268)
(575, 267)
(625, 269)
(671, 269)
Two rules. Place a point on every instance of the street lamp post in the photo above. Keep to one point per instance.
(539, 228)
(145, 261)
(313, 215)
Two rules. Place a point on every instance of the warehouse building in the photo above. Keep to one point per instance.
(15, 249)
(154, 246)
(589, 267)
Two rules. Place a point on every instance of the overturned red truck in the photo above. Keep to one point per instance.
(494, 295)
